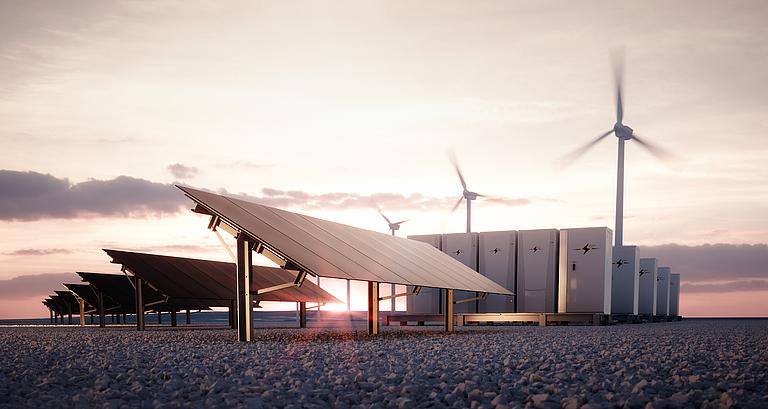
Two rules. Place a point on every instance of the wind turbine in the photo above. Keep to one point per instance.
(392, 226)
(623, 133)
(465, 194)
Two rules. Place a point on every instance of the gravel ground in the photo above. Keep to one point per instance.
(674, 365)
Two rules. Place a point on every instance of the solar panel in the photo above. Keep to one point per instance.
(85, 292)
(120, 295)
(335, 250)
(187, 278)
(68, 300)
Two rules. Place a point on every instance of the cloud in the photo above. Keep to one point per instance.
(725, 287)
(37, 252)
(344, 200)
(712, 262)
(35, 285)
(30, 196)
(182, 171)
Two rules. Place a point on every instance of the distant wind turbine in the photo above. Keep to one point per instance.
(466, 194)
(392, 226)
(623, 133)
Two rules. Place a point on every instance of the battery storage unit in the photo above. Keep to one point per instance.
(463, 248)
(428, 299)
(537, 268)
(497, 255)
(674, 294)
(647, 295)
(585, 270)
(625, 280)
(662, 291)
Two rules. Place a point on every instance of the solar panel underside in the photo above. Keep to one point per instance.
(85, 292)
(119, 291)
(186, 278)
(335, 250)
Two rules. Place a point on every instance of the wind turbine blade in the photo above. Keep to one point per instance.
(385, 217)
(458, 171)
(458, 202)
(655, 150)
(618, 75)
(566, 160)
(403, 221)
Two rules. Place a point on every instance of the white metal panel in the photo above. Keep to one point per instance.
(662, 291)
(428, 299)
(647, 294)
(674, 294)
(463, 248)
(497, 255)
(625, 280)
(585, 278)
(537, 255)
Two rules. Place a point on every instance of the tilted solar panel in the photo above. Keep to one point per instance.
(188, 278)
(329, 249)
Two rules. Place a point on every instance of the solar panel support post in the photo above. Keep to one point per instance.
(81, 303)
(102, 322)
(373, 308)
(189, 318)
(302, 314)
(448, 308)
(244, 301)
(173, 316)
(159, 317)
(139, 304)
(393, 308)
(51, 311)
(349, 296)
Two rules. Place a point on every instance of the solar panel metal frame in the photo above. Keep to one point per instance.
(328, 249)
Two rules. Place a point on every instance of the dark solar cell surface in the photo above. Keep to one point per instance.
(336, 250)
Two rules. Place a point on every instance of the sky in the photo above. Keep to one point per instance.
(322, 107)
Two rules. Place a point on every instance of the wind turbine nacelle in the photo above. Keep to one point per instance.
(394, 226)
(622, 131)
(470, 195)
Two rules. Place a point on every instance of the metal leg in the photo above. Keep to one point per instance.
(82, 311)
(448, 308)
(159, 317)
(302, 314)
(173, 317)
(51, 311)
(189, 318)
(349, 296)
(393, 308)
(69, 315)
(244, 302)
(139, 304)
(373, 308)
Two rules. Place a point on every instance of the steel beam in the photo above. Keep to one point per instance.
(244, 300)
(373, 308)
(448, 308)
(139, 304)
(302, 314)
